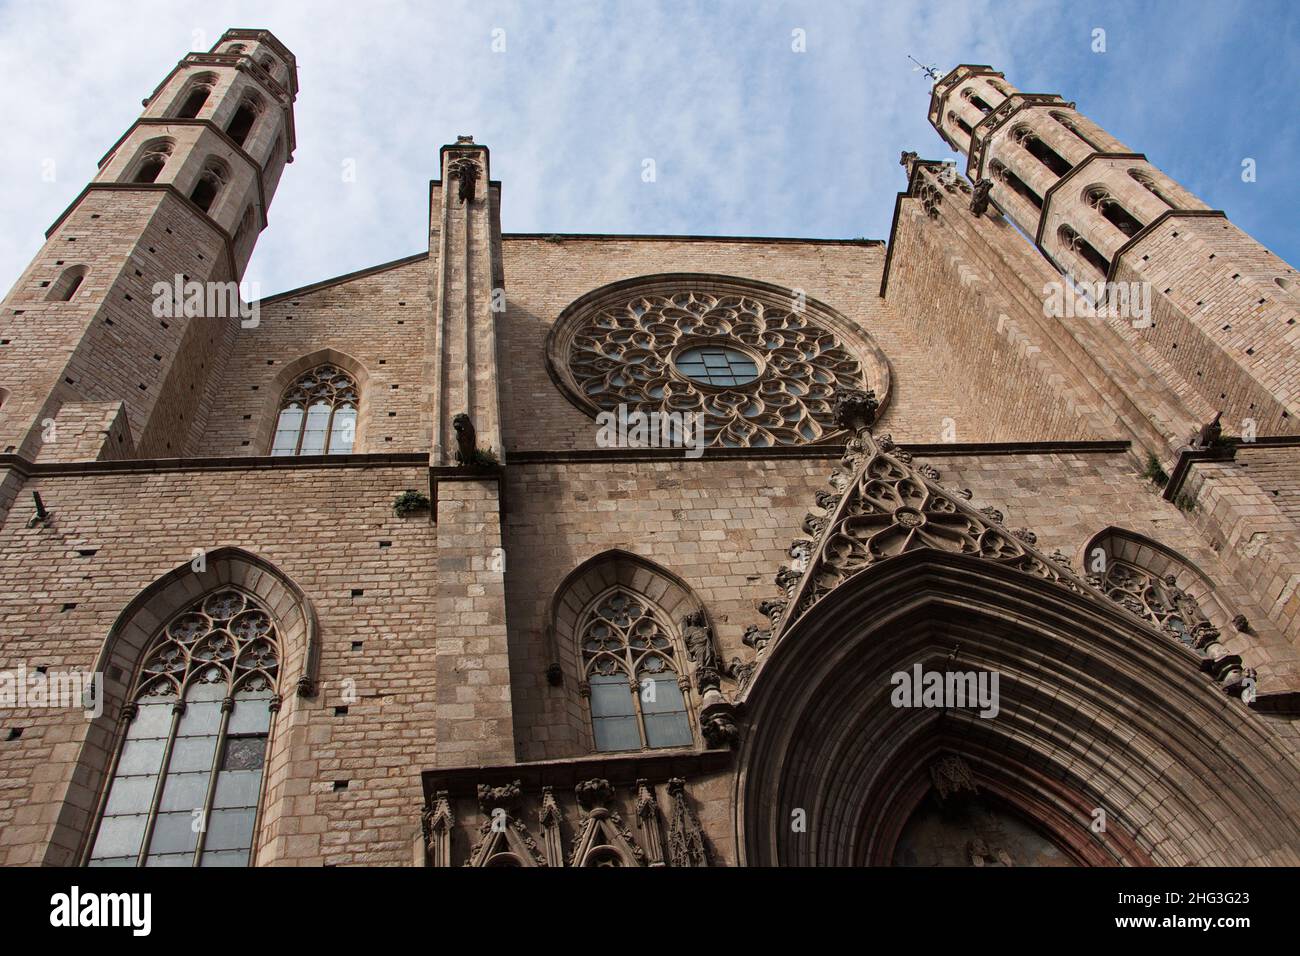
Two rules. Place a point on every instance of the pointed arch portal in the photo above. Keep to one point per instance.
(1099, 718)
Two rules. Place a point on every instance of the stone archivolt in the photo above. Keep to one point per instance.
(620, 348)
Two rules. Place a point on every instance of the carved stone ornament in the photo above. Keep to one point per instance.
(465, 171)
(952, 777)
(891, 507)
(686, 845)
(437, 821)
(504, 839)
(604, 840)
(979, 202)
(758, 365)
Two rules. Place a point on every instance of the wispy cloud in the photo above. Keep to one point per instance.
(747, 135)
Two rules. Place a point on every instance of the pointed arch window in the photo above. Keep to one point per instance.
(67, 284)
(211, 181)
(1015, 183)
(1084, 249)
(241, 124)
(318, 414)
(153, 157)
(196, 96)
(1100, 199)
(187, 776)
(1150, 186)
(972, 96)
(1035, 147)
(631, 672)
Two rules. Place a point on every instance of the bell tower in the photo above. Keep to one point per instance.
(1222, 325)
(93, 365)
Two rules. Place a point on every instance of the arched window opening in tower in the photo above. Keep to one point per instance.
(241, 124)
(318, 414)
(976, 100)
(197, 97)
(154, 158)
(202, 707)
(1099, 199)
(630, 658)
(208, 187)
(1084, 249)
(960, 123)
(67, 284)
(1041, 151)
(235, 49)
(1150, 186)
(1015, 184)
(1069, 124)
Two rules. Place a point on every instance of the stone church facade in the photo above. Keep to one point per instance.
(367, 580)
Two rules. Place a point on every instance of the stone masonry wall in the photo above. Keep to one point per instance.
(354, 774)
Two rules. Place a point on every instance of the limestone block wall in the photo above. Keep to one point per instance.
(347, 761)
(377, 320)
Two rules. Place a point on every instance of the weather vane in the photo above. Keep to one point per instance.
(930, 71)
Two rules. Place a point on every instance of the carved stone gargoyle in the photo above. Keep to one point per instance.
(466, 439)
(1210, 432)
(979, 200)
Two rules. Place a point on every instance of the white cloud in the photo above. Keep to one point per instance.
(748, 136)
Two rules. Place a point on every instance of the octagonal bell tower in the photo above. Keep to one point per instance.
(1222, 326)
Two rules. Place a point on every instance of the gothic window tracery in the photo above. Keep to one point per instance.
(153, 157)
(1154, 597)
(211, 181)
(759, 372)
(318, 414)
(188, 773)
(1150, 186)
(1015, 183)
(1083, 249)
(195, 96)
(1034, 146)
(631, 667)
(1100, 199)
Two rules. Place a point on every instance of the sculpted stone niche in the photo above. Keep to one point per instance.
(759, 364)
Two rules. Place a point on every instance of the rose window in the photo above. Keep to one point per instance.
(760, 367)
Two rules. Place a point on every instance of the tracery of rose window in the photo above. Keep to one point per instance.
(759, 373)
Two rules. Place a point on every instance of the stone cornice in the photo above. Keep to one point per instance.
(1070, 175)
(203, 217)
(995, 119)
(221, 133)
(621, 770)
(152, 466)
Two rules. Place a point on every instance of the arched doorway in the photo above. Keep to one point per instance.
(1107, 744)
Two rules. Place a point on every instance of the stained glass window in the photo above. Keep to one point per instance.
(318, 414)
(189, 772)
(630, 659)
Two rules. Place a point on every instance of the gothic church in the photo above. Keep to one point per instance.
(360, 584)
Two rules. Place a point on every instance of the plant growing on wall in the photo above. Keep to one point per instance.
(409, 502)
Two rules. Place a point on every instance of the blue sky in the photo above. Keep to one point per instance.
(748, 136)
